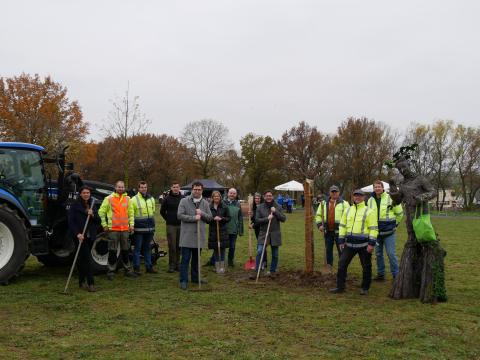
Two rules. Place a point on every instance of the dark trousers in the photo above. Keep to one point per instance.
(366, 260)
(84, 263)
(330, 239)
(187, 255)
(232, 238)
(173, 238)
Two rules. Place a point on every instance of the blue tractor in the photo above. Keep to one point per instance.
(33, 209)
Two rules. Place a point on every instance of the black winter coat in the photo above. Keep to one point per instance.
(170, 207)
(221, 211)
(77, 216)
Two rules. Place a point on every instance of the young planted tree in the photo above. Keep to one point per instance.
(208, 140)
(38, 111)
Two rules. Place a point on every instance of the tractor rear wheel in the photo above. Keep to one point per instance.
(13, 244)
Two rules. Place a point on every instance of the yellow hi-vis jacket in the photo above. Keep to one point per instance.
(144, 212)
(105, 212)
(389, 216)
(358, 227)
(321, 218)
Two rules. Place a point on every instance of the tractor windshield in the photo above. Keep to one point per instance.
(21, 174)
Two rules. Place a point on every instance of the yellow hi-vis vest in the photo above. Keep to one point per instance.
(321, 218)
(144, 212)
(358, 227)
(389, 216)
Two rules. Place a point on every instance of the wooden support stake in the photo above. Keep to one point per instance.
(309, 246)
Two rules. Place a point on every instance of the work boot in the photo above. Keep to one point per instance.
(364, 292)
(110, 276)
(379, 278)
(151, 271)
(131, 274)
(336, 291)
(91, 288)
(183, 285)
(82, 285)
(136, 270)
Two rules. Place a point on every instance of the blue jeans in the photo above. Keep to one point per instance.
(142, 244)
(273, 263)
(389, 242)
(330, 239)
(232, 238)
(187, 255)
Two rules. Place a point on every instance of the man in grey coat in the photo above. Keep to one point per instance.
(269, 211)
(192, 210)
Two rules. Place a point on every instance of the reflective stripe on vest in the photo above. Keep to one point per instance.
(140, 205)
(119, 207)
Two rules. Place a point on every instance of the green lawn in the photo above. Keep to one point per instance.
(151, 318)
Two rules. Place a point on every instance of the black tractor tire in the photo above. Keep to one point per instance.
(99, 254)
(13, 244)
(63, 255)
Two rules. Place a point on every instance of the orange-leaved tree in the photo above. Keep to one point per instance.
(38, 111)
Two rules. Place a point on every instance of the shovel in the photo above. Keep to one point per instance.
(263, 250)
(250, 264)
(78, 250)
(219, 264)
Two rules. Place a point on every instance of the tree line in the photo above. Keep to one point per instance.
(37, 110)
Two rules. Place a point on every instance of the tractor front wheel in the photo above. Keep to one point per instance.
(13, 244)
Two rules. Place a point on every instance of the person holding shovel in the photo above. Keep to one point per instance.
(257, 200)
(193, 212)
(218, 234)
(269, 215)
(78, 213)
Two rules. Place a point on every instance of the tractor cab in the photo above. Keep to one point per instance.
(22, 179)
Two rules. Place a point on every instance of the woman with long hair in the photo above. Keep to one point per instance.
(78, 213)
(220, 218)
(257, 200)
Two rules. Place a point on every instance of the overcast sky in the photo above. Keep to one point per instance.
(257, 66)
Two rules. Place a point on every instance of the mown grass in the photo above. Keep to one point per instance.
(150, 318)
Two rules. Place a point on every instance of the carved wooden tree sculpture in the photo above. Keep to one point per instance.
(421, 273)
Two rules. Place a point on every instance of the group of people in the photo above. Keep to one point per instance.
(186, 219)
(354, 229)
(359, 229)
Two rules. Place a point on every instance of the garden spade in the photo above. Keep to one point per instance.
(219, 264)
(250, 264)
(263, 250)
(78, 249)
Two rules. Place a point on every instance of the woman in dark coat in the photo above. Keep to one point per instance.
(77, 217)
(220, 214)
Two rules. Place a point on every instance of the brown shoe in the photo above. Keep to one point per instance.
(91, 288)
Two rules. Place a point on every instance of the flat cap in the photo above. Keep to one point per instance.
(358, 192)
(334, 188)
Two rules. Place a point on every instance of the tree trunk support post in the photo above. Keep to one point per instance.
(309, 246)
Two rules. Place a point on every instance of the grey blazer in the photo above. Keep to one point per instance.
(188, 228)
(261, 218)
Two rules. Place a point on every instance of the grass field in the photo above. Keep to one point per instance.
(151, 318)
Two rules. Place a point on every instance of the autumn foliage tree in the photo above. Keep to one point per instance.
(38, 111)
(306, 152)
(360, 149)
(262, 162)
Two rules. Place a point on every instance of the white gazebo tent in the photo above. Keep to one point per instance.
(290, 186)
(369, 188)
